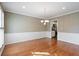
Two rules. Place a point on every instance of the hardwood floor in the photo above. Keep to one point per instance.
(42, 47)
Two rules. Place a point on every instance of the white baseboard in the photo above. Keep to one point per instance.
(1, 49)
(19, 37)
(69, 37)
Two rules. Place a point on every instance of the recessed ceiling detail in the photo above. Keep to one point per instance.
(35, 9)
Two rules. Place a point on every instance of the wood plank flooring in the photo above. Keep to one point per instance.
(42, 47)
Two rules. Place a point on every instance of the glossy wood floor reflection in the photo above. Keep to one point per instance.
(42, 47)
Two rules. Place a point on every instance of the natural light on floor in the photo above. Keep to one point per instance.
(40, 53)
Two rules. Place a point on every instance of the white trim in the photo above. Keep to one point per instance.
(69, 37)
(19, 37)
(64, 14)
(47, 18)
(1, 49)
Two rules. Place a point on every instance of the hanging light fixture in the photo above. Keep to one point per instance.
(44, 21)
(47, 21)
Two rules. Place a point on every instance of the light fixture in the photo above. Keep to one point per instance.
(23, 7)
(44, 21)
(63, 8)
(47, 21)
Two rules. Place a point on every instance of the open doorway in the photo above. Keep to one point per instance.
(54, 29)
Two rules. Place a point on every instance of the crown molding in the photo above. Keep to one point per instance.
(64, 14)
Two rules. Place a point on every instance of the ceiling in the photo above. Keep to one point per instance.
(36, 9)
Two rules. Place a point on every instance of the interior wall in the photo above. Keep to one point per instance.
(20, 28)
(69, 23)
(68, 27)
(15, 23)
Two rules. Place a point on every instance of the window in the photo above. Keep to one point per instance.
(1, 19)
(1, 28)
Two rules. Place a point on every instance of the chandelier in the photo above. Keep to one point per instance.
(44, 21)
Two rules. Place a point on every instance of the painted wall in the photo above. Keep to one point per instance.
(15, 23)
(69, 23)
(68, 28)
(20, 28)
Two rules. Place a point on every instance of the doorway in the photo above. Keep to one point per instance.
(54, 29)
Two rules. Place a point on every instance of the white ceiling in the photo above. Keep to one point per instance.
(36, 9)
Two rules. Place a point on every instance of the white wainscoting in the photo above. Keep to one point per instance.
(69, 37)
(19, 37)
(1, 37)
